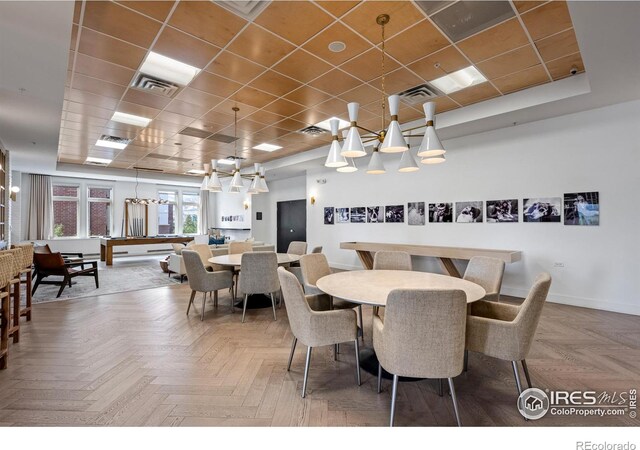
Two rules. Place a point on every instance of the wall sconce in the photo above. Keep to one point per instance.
(14, 192)
(313, 200)
(246, 204)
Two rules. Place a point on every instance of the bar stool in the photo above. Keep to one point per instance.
(16, 255)
(6, 269)
(27, 267)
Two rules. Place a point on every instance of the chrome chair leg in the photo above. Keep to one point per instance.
(204, 299)
(455, 401)
(358, 362)
(466, 360)
(440, 387)
(379, 377)
(215, 298)
(273, 304)
(193, 295)
(526, 373)
(516, 373)
(361, 323)
(244, 306)
(394, 392)
(335, 352)
(306, 372)
(293, 349)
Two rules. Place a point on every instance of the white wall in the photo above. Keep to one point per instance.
(596, 150)
(233, 205)
(266, 203)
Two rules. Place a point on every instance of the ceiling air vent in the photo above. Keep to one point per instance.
(462, 19)
(147, 169)
(96, 163)
(249, 9)
(115, 139)
(195, 132)
(313, 130)
(146, 82)
(178, 159)
(222, 138)
(417, 95)
(157, 156)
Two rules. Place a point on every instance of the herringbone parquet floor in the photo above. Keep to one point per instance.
(136, 359)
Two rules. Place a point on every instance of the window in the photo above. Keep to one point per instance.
(65, 210)
(99, 199)
(167, 212)
(190, 212)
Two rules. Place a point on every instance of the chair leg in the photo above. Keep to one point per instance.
(28, 295)
(204, 298)
(526, 373)
(335, 352)
(273, 304)
(62, 286)
(361, 323)
(358, 379)
(516, 374)
(466, 360)
(394, 392)
(244, 306)
(440, 387)
(215, 298)
(379, 377)
(455, 401)
(36, 284)
(233, 299)
(306, 372)
(193, 295)
(293, 349)
(95, 276)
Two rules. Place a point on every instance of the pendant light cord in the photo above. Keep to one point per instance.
(383, 74)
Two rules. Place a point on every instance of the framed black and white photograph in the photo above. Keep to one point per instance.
(374, 214)
(358, 215)
(415, 213)
(440, 212)
(502, 210)
(329, 216)
(582, 208)
(394, 214)
(469, 212)
(542, 209)
(342, 215)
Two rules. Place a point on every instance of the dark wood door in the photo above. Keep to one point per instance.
(292, 223)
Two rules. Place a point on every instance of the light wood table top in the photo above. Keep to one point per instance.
(236, 259)
(371, 287)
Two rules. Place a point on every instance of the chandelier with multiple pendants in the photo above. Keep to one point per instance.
(212, 183)
(391, 139)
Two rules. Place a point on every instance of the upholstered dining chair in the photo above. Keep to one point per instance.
(27, 267)
(297, 248)
(6, 275)
(488, 273)
(200, 280)
(14, 290)
(422, 337)
(506, 331)
(316, 328)
(317, 249)
(392, 260)
(315, 266)
(204, 252)
(236, 248)
(258, 275)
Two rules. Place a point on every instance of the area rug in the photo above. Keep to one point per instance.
(123, 276)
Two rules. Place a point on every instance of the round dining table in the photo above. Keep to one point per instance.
(372, 287)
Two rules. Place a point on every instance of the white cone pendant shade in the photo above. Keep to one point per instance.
(376, 167)
(351, 167)
(205, 183)
(352, 146)
(236, 181)
(433, 160)
(234, 190)
(335, 158)
(407, 163)
(214, 184)
(431, 145)
(253, 187)
(393, 140)
(262, 183)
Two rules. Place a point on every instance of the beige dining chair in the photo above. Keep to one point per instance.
(258, 275)
(315, 266)
(316, 328)
(506, 331)
(317, 249)
(236, 248)
(392, 260)
(422, 337)
(204, 252)
(488, 273)
(201, 280)
(297, 248)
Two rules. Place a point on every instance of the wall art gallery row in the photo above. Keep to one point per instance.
(580, 208)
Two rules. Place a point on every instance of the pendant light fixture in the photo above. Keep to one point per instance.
(253, 187)
(262, 183)
(236, 180)
(439, 159)
(205, 181)
(335, 158)
(214, 184)
(393, 139)
(431, 145)
(350, 167)
(376, 167)
(353, 147)
(407, 162)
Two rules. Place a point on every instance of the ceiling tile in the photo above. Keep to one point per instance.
(198, 97)
(302, 66)
(187, 109)
(475, 94)
(274, 83)
(84, 83)
(397, 81)
(218, 117)
(290, 125)
(558, 45)
(122, 23)
(319, 45)
(363, 94)
(178, 119)
(444, 104)
(337, 7)
(265, 117)
(253, 97)
(284, 107)
(159, 10)
(146, 99)
(85, 103)
(333, 107)
(294, 21)
(185, 48)
(363, 18)
(307, 96)
(103, 70)
(529, 77)
(449, 60)
(561, 67)
(226, 107)
(510, 62)
(335, 82)
(466, 18)
(77, 10)
(138, 110)
(416, 42)
(74, 37)
(261, 46)
(234, 67)
(88, 98)
(526, 5)
(548, 19)
(368, 65)
(213, 84)
(207, 21)
(110, 49)
(494, 41)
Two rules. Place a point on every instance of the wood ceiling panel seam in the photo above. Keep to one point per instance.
(531, 41)
(75, 53)
(124, 5)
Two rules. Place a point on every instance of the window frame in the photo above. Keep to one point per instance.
(98, 200)
(177, 220)
(55, 198)
(182, 205)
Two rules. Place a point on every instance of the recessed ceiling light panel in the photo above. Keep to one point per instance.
(168, 69)
(458, 80)
(112, 142)
(325, 124)
(227, 162)
(130, 119)
(196, 171)
(267, 147)
(97, 161)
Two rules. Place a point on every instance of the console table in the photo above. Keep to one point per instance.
(366, 250)
(107, 244)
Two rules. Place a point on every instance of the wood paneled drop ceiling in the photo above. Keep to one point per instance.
(275, 64)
